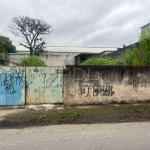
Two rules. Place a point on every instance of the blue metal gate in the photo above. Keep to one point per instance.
(12, 86)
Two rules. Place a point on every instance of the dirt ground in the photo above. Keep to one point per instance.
(78, 115)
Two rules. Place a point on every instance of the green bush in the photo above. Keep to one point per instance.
(136, 57)
(103, 61)
(118, 62)
(98, 61)
(132, 57)
(33, 61)
(145, 48)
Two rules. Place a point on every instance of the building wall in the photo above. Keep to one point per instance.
(66, 49)
(85, 85)
(59, 56)
(51, 59)
(146, 28)
(59, 60)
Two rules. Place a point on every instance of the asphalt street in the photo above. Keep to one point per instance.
(124, 136)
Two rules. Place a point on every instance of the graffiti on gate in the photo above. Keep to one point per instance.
(44, 85)
(11, 85)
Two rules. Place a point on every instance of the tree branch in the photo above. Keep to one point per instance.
(24, 45)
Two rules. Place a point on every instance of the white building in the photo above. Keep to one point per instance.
(59, 56)
(146, 28)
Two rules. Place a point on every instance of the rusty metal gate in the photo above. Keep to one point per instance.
(44, 85)
(12, 86)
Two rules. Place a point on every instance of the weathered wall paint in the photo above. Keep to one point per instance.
(106, 84)
(44, 85)
(12, 86)
(80, 85)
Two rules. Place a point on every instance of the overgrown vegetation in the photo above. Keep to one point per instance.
(133, 57)
(103, 61)
(32, 61)
(83, 115)
(145, 48)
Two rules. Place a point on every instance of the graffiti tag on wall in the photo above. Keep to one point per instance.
(99, 90)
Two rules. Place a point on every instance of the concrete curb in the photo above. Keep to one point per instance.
(34, 107)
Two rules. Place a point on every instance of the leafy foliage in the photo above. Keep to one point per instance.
(103, 61)
(118, 62)
(132, 57)
(139, 57)
(145, 48)
(7, 45)
(30, 30)
(33, 61)
(4, 55)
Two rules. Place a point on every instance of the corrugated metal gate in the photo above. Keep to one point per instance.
(44, 85)
(12, 86)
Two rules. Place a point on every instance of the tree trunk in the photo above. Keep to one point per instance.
(31, 51)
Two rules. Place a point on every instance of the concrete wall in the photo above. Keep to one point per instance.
(59, 59)
(79, 84)
(106, 84)
(51, 59)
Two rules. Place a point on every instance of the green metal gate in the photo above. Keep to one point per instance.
(44, 85)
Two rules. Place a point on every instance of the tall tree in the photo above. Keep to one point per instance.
(30, 30)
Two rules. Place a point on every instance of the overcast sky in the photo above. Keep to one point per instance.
(87, 23)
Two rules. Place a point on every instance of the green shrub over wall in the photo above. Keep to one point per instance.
(33, 61)
(103, 61)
